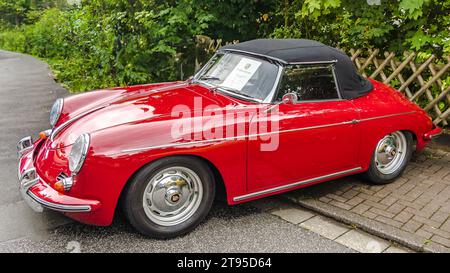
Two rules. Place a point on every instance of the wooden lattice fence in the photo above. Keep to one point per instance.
(425, 81)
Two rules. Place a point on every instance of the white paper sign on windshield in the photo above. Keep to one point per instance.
(241, 74)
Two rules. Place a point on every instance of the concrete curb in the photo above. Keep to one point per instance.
(376, 228)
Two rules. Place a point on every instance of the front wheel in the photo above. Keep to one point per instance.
(390, 157)
(169, 197)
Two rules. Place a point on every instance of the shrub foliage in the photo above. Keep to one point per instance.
(101, 43)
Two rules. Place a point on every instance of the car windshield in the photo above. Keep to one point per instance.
(240, 75)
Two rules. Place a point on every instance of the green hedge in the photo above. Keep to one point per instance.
(104, 43)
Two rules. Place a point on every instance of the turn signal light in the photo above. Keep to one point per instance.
(59, 186)
(63, 184)
(45, 134)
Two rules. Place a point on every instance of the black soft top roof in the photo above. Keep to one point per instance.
(302, 51)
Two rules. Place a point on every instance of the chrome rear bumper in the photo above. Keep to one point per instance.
(433, 133)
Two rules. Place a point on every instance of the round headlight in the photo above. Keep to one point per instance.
(55, 112)
(78, 153)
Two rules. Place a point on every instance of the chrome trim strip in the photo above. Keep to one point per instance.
(387, 116)
(200, 71)
(303, 128)
(354, 121)
(333, 69)
(59, 207)
(284, 187)
(69, 121)
(61, 107)
(273, 92)
(183, 144)
(233, 138)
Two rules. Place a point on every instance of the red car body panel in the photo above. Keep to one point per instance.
(306, 149)
(131, 127)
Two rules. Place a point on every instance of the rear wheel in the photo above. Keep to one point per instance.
(390, 157)
(169, 197)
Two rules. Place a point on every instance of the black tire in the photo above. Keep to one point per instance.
(133, 206)
(374, 176)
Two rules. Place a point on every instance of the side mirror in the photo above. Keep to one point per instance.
(289, 98)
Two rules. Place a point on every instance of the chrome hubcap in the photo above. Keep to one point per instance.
(172, 196)
(391, 152)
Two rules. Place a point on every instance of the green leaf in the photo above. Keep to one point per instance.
(412, 7)
(419, 40)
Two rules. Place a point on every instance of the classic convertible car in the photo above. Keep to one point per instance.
(260, 118)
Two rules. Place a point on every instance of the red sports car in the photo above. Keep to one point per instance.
(260, 118)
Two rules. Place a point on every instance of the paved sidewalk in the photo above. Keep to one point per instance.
(414, 210)
(27, 92)
(346, 235)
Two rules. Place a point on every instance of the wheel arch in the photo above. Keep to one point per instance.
(221, 192)
(410, 131)
(367, 152)
(413, 134)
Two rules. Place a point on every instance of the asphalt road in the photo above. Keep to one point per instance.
(27, 92)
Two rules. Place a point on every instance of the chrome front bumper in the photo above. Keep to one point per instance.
(24, 145)
(28, 178)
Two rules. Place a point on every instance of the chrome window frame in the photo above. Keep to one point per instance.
(336, 83)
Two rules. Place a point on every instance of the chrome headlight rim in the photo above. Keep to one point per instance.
(55, 111)
(75, 166)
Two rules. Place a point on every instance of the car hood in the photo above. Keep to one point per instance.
(138, 107)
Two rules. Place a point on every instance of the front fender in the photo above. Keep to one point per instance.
(117, 153)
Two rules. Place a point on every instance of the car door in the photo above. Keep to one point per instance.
(316, 137)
